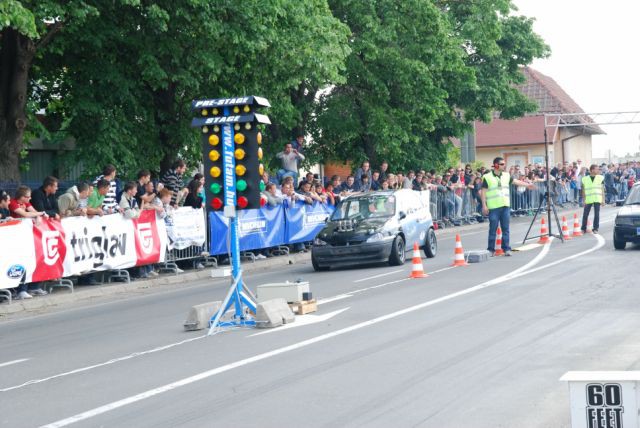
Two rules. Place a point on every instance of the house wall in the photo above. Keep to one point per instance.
(487, 154)
(579, 147)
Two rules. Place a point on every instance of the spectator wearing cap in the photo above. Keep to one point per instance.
(69, 202)
(44, 197)
(109, 202)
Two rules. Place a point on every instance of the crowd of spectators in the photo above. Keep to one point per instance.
(456, 192)
(105, 195)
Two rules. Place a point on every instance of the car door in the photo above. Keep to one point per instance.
(408, 204)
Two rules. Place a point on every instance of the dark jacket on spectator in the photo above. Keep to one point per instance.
(193, 201)
(43, 202)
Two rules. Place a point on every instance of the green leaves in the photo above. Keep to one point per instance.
(383, 79)
(13, 14)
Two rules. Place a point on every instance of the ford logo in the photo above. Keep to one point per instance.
(16, 272)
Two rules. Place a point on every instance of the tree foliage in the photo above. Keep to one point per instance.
(421, 72)
(382, 79)
(128, 83)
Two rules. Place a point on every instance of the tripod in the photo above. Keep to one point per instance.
(551, 208)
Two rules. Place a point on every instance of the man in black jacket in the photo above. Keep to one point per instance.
(44, 197)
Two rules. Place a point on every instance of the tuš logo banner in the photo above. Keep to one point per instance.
(50, 247)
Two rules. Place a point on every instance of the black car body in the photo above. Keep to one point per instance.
(627, 227)
(375, 227)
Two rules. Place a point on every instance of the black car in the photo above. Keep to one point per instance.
(374, 227)
(627, 228)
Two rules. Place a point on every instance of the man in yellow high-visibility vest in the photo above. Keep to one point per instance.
(593, 196)
(496, 202)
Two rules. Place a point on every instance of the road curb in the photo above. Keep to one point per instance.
(86, 293)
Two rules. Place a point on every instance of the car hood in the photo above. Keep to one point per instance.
(345, 230)
(629, 210)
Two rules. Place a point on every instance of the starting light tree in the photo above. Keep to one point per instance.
(232, 157)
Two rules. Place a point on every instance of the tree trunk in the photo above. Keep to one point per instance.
(16, 56)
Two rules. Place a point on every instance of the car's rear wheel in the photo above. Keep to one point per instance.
(618, 244)
(430, 244)
(398, 254)
(316, 266)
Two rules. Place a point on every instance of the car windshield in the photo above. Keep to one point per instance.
(365, 207)
(634, 196)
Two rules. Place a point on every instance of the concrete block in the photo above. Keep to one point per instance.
(273, 313)
(290, 291)
(477, 256)
(199, 315)
(221, 273)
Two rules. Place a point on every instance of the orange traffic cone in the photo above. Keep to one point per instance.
(499, 251)
(544, 233)
(565, 229)
(576, 226)
(589, 227)
(416, 270)
(458, 253)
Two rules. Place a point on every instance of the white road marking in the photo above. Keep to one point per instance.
(600, 244)
(378, 276)
(301, 321)
(213, 372)
(95, 366)
(333, 299)
(9, 363)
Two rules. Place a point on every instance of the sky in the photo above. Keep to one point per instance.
(594, 58)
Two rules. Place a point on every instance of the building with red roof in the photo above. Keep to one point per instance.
(521, 141)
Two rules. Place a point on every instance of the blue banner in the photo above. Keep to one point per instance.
(260, 228)
(303, 221)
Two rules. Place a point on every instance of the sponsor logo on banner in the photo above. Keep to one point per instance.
(48, 239)
(252, 225)
(147, 238)
(16, 272)
(50, 243)
(97, 247)
(311, 219)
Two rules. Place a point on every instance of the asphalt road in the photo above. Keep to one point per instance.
(476, 346)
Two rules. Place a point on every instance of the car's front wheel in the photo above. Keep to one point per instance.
(398, 254)
(618, 244)
(430, 244)
(316, 266)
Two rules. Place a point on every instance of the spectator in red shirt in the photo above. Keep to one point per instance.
(20, 207)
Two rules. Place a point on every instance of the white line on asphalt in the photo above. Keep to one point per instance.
(333, 299)
(378, 276)
(600, 244)
(106, 363)
(213, 372)
(9, 363)
(302, 320)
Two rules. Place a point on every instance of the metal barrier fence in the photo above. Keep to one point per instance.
(464, 206)
(197, 255)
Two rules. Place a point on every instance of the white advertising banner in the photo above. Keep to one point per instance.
(17, 254)
(52, 249)
(189, 228)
